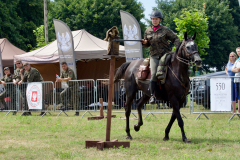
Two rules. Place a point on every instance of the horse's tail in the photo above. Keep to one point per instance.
(120, 72)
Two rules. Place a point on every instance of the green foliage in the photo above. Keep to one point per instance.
(192, 21)
(39, 33)
(222, 28)
(95, 16)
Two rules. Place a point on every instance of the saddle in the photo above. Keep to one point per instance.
(144, 72)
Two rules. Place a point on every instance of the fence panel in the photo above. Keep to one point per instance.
(200, 97)
(48, 104)
(8, 98)
(77, 95)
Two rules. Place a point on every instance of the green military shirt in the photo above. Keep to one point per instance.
(158, 40)
(32, 75)
(8, 79)
(68, 73)
(17, 74)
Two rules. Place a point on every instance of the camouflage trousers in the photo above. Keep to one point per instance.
(23, 98)
(12, 95)
(70, 97)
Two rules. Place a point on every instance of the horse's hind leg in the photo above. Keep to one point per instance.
(127, 114)
(167, 130)
(140, 103)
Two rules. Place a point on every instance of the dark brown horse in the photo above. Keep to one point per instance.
(174, 90)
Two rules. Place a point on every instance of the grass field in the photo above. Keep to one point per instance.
(32, 137)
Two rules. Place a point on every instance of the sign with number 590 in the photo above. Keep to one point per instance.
(220, 91)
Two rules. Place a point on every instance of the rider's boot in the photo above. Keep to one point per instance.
(153, 85)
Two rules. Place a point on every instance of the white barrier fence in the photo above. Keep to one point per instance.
(212, 96)
(83, 96)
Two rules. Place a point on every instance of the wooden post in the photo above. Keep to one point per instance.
(101, 107)
(110, 96)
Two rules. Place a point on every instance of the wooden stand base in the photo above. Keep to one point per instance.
(100, 117)
(107, 144)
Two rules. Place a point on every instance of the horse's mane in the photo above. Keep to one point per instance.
(176, 51)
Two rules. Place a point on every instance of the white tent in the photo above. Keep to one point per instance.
(86, 46)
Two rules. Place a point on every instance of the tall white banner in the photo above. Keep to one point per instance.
(65, 44)
(1, 71)
(131, 31)
(220, 94)
(34, 95)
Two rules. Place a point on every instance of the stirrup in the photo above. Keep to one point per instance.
(152, 100)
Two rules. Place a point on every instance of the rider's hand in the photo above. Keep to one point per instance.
(144, 41)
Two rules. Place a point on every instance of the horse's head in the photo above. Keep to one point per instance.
(190, 49)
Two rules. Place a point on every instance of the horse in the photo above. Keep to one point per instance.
(174, 90)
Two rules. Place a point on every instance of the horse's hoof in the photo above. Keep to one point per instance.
(136, 127)
(165, 138)
(129, 137)
(187, 141)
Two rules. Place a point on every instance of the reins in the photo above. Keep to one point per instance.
(177, 78)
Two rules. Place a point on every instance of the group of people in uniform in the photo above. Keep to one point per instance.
(23, 73)
(26, 73)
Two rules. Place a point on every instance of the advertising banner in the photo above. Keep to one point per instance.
(34, 95)
(131, 31)
(65, 44)
(220, 94)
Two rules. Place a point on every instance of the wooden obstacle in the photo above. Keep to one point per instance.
(101, 112)
(114, 143)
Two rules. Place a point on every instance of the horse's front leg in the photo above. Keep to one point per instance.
(167, 130)
(181, 125)
(140, 103)
(176, 111)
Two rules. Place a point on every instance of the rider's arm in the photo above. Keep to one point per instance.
(173, 38)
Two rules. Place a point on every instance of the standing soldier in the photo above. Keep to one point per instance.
(31, 75)
(67, 75)
(9, 91)
(22, 88)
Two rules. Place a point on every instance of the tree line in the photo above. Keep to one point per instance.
(21, 21)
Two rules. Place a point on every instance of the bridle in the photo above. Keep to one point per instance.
(183, 60)
(185, 52)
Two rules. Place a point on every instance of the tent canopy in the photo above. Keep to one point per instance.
(86, 46)
(8, 50)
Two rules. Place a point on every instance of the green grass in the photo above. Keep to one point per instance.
(32, 137)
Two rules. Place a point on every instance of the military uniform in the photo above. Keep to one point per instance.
(33, 75)
(71, 91)
(158, 42)
(10, 91)
(22, 88)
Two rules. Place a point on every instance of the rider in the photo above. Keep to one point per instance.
(158, 37)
